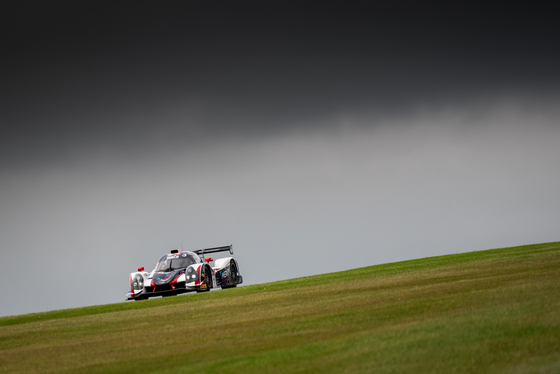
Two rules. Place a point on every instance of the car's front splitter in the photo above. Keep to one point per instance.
(147, 294)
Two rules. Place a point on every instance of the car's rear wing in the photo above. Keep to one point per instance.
(202, 252)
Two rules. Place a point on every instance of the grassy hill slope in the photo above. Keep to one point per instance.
(495, 311)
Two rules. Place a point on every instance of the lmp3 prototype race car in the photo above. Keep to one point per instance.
(185, 271)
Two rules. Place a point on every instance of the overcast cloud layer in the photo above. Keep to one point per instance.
(312, 137)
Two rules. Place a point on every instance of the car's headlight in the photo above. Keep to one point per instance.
(137, 282)
(191, 275)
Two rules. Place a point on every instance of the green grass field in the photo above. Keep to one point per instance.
(494, 311)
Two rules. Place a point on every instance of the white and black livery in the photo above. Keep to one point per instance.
(185, 271)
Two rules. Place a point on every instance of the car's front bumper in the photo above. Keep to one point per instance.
(148, 292)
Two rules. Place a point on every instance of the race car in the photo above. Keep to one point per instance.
(185, 271)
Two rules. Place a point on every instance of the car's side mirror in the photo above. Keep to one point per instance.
(208, 259)
(141, 268)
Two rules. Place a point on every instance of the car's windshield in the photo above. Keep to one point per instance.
(175, 261)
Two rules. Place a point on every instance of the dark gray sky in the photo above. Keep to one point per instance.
(314, 136)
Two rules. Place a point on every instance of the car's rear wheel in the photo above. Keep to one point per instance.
(233, 273)
(232, 276)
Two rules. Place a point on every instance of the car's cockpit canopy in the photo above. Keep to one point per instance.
(176, 261)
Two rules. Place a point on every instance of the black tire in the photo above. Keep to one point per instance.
(207, 274)
(232, 276)
(233, 273)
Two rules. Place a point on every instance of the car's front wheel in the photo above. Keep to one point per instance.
(207, 280)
